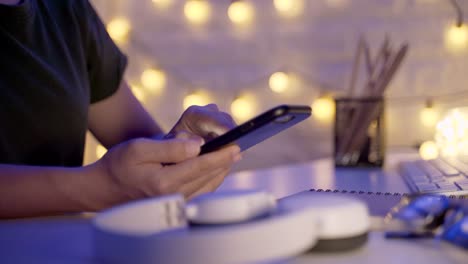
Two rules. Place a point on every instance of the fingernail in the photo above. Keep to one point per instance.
(192, 147)
(237, 157)
(198, 139)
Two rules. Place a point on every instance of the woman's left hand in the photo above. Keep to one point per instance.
(206, 122)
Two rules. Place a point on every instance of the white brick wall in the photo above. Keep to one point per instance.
(319, 45)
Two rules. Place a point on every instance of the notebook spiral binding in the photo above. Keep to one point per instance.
(381, 193)
(380, 203)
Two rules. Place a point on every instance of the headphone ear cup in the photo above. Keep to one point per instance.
(342, 222)
(230, 207)
(144, 217)
(156, 231)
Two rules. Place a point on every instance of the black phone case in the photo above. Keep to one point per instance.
(260, 128)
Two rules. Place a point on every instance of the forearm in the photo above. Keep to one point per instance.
(121, 117)
(33, 191)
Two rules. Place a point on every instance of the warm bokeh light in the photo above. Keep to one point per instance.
(289, 8)
(153, 80)
(456, 38)
(163, 3)
(241, 12)
(118, 29)
(279, 82)
(200, 98)
(243, 108)
(452, 133)
(100, 151)
(463, 148)
(138, 92)
(429, 117)
(450, 150)
(197, 11)
(428, 150)
(323, 109)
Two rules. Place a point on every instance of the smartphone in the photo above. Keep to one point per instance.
(260, 128)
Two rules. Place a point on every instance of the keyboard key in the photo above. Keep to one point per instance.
(441, 180)
(427, 187)
(430, 170)
(413, 172)
(444, 167)
(448, 186)
(463, 186)
(421, 181)
(461, 166)
(435, 176)
(464, 181)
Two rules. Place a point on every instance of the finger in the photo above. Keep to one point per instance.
(152, 185)
(182, 135)
(212, 107)
(192, 187)
(210, 186)
(189, 136)
(214, 121)
(192, 169)
(167, 151)
(215, 125)
(229, 120)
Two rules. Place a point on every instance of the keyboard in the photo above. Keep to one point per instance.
(446, 176)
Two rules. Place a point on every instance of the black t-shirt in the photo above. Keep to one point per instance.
(56, 59)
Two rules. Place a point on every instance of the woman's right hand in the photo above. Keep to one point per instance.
(134, 170)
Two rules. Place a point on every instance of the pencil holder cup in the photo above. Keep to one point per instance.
(359, 132)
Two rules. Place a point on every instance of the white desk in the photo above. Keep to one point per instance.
(286, 180)
(62, 240)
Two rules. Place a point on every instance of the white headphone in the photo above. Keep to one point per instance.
(236, 227)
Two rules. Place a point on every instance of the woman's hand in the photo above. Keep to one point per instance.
(206, 122)
(134, 169)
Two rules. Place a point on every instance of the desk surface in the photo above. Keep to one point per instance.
(321, 174)
(68, 240)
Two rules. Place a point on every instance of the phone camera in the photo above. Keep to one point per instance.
(284, 119)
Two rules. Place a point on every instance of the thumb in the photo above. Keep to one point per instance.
(189, 136)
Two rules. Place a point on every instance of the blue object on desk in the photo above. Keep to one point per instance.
(425, 212)
(458, 233)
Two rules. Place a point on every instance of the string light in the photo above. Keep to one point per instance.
(428, 115)
(200, 98)
(452, 132)
(279, 82)
(153, 80)
(449, 150)
(323, 109)
(243, 108)
(241, 12)
(428, 150)
(289, 8)
(100, 151)
(197, 11)
(456, 36)
(119, 28)
(163, 3)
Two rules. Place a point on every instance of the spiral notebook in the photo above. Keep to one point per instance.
(379, 203)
